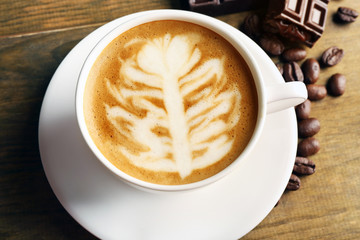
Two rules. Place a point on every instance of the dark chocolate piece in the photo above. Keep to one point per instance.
(299, 20)
(220, 7)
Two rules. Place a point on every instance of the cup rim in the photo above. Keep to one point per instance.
(211, 23)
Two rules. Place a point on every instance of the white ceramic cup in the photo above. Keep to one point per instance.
(270, 98)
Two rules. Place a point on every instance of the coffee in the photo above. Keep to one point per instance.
(170, 102)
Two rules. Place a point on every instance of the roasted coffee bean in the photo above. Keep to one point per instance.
(303, 110)
(303, 166)
(336, 84)
(346, 15)
(294, 54)
(294, 183)
(272, 44)
(316, 92)
(332, 56)
(308, 146)
(297, 72)
(293, 72)
(287, 73)
(311, 70)
(308, 127)
(251, 26)
(280, 68)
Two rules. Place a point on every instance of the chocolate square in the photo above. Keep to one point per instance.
(301, 20)
(316, 15)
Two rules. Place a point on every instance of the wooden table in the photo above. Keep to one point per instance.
(34, 38)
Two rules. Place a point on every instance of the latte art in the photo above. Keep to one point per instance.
(175, 111)
(170, 102)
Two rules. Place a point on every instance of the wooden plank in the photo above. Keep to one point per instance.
(22, 16)
(327, 205)
(29, 209)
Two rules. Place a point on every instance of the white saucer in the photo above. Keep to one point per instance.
(110, 209)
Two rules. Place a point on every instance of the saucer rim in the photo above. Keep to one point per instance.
(44, 154)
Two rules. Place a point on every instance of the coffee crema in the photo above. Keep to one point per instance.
(170, 102)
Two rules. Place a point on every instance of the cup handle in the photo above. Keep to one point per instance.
(285, 95)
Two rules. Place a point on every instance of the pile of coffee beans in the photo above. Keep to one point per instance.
(309, 72)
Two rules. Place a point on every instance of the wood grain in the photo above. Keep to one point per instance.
(50, 14)
(29, 209)
(37, 35)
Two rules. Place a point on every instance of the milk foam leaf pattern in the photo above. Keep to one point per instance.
(175, 111)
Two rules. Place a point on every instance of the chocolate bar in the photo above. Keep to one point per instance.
(220, 7)
(300, 20)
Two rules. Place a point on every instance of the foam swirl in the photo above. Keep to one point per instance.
(174, 110)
